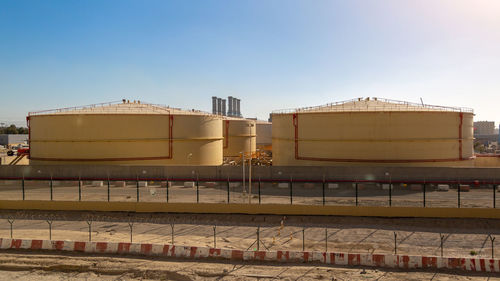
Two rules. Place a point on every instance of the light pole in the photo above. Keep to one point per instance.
(243, 165)
(390, 187)
(250, 165)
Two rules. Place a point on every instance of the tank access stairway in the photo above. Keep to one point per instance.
(20, 155)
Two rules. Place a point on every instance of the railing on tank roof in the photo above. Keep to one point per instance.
(388, 105)
(116, 107)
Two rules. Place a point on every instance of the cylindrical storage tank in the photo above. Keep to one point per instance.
(239, 137)
(125, 134)
(264, 135)
(373, 132)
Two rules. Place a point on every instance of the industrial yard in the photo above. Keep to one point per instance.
(249, 140)
(367, 176)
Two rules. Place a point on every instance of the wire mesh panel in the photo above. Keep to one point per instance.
(308, 193)
(276, 193)
(182, 192)
(373, 194)
(38, 190)
(213, 192)
(12, 189)
(340, 194)
(238, 192)
(407, 195)
(440, 196)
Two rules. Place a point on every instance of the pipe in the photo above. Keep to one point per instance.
(460, 127)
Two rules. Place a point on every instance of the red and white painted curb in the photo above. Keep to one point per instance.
(345, 259)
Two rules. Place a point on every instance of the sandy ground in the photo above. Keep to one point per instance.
(43, 266)
(344, 234)
(368, 195)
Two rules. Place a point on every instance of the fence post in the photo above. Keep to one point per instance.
(291, 190)
(390, 194)
(215, 236)
(79, 189)
(326, 239)
(228, 192)
(167, 189)
(23, 187)
(89, 222)
(258, 238)
(458, 194)
(137, 188)
(49, 222)
(492, 247)
(424, 192)
(303, 239)
(259, 191)
(442, 243)
(494, 195)
(323, 190)
(51, 196)
(172, 227)
(197, 190)
(11, 222)
(108, 189)
(395, 243)
(131, 225)
(356, 186)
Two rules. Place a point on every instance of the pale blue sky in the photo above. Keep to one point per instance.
(271, 54)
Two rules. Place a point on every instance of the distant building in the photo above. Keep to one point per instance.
(9, 139)
(484, 128)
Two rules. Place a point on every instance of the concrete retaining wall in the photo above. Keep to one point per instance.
(211, 173)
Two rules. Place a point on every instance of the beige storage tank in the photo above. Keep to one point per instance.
(239, 136)
(373, 132)
(126, 133)
(264, 135)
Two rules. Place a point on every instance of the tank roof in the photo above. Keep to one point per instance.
(120, 107)
(373, 105)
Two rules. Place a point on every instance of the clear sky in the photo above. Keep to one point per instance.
(272, 54)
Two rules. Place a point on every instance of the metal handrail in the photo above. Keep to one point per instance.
(392, 105)
(99, 107)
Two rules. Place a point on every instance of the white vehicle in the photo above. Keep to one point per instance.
(443, 187)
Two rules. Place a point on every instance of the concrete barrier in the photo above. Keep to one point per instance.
(98, 183)
(120, 184)
(189, 184)
(472, 264)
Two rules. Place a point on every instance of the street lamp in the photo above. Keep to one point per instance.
(250, 165)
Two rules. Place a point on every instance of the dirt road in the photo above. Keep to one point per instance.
(42, 266)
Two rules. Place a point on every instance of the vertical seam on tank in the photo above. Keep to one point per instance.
(296, 126)
(226, 138)
(29, 135)
(171, 140)
(460, 136)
